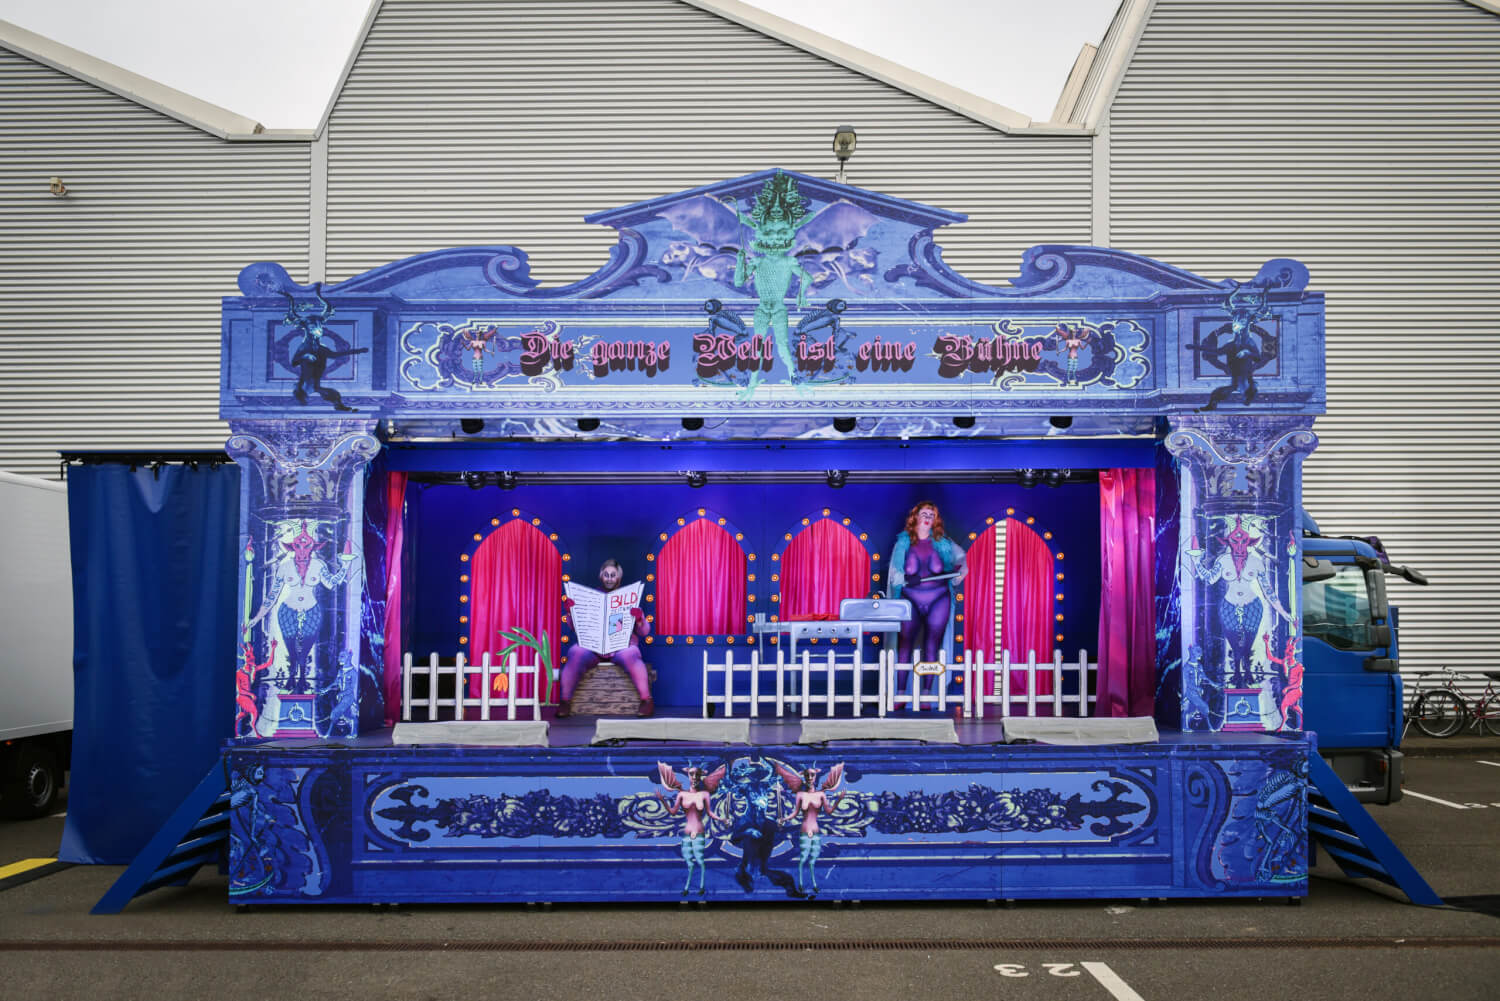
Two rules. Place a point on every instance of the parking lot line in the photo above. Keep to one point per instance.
(1110, 981)
(1494, 764)
(25, 865)
(1433, 799)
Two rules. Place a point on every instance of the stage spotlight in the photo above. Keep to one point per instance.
(692, 423)
(1062, 422)
(1026, 477)
(588, 423)
(696, 478)
(473, 480)
(507, 479)
(836, 477)
(471, 425)
(965, 422)
(843, 425)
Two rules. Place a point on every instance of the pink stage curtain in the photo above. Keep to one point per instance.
(1026, 614)
(395, 534)
(516, 581)
(1127, 619)
(822, 565)
(700, 582)
(979, 598)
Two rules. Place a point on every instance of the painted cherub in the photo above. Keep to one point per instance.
(696, 804)
(809, 804)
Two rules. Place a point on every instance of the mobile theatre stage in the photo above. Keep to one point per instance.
(770, 402)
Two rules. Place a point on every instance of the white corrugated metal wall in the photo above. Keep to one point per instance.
(472, 122)
(109, 295)
(1362, 138)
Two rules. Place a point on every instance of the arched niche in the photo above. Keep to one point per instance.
(1012, 596)
(824, 559)
(513, 576)
(702, 580)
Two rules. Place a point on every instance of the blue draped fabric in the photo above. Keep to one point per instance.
(154, 573)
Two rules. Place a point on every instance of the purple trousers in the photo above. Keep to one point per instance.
(580, 660)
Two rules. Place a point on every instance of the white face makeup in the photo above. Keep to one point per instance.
(609, 576)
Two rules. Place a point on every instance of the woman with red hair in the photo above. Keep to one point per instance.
(924, 551)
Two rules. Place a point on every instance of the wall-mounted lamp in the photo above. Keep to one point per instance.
(56, 186)
(844, 141)
(836, 477)
(696, 478)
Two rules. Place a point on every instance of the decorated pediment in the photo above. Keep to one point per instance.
(782, 296)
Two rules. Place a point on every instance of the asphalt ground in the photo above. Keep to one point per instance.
(1348, 939)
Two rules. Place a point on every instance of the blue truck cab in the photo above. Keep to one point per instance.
(1351, 694)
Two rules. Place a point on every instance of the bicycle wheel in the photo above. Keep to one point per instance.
(1438, 713)
(1489, 714)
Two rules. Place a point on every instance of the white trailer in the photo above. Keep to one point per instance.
(36, 657)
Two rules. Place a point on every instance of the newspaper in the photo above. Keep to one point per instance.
(602, 619)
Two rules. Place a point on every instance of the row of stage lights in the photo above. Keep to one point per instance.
(508, 479)
(750, 597)
(843, 425)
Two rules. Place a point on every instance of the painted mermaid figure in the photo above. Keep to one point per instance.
(810, 803)
(696, 805)
(770, 265)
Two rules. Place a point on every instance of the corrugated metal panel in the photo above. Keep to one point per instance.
(110, 295)
(1362, 138)
(483, 123)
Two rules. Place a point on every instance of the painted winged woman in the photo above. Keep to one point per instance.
(810, 803)
(696, 804)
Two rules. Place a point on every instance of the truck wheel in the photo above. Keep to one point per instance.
(1489, 712)
(1438, 713)
(32, 782)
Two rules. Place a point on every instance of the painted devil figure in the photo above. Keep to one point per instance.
(810, 801)
(1248, 591)
(310, 356)
(294, 595)
(756, 828)
(770, 265)
(696, 805)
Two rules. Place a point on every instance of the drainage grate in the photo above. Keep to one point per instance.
(842, 945)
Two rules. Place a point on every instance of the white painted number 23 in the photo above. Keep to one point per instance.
(1017, 970)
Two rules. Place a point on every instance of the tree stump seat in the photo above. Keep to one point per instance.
(606, 690)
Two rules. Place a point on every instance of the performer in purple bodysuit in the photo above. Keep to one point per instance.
(581, 659)
(923, 550)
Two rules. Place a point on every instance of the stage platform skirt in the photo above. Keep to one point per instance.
(373, 821)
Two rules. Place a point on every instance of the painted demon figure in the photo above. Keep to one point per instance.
(770, 265)
(1247, 592)
(311, 356)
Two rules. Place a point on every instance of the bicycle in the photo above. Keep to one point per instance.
(1443, 711)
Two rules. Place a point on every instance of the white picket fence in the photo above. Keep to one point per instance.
(783, 687)
(486, 702)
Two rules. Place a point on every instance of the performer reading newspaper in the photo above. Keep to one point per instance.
(608, 623)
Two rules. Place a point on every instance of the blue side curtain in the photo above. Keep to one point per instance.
(154, 573)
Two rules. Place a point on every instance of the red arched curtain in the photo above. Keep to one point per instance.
(1127, 612)
(822, 565)
(700, 582)
(980, 596)
(515, 581)
(1026, 616)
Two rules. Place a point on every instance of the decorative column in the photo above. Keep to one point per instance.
(1239, 568)
(302, 583)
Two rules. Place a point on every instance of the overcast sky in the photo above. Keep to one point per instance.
(277, 61)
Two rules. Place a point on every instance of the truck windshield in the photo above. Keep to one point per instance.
(1337, 611)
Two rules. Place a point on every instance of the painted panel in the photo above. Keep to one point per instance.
(1185, 818)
